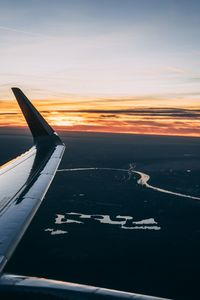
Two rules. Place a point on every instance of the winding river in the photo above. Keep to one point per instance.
(143, 180)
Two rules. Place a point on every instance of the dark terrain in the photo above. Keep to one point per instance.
(163, 262)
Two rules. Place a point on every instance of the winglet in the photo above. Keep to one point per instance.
(37, 124)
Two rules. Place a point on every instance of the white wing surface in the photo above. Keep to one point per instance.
(25, 180)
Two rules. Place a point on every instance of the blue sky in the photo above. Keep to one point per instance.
(101, 49)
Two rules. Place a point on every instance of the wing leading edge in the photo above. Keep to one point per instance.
(25, 180)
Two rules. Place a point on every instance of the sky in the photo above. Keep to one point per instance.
(103, 65)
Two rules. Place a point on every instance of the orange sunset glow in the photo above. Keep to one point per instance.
(108, 116)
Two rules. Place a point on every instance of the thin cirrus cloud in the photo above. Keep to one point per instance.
(154, 112)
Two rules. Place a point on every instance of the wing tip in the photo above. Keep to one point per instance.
(15, 88)
(39, 127)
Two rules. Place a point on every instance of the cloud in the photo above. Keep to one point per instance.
(31, 34)
(8, 114)
(154, 112)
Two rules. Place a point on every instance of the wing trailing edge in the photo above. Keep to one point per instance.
(25, 287)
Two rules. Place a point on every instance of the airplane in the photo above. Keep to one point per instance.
(24, 182)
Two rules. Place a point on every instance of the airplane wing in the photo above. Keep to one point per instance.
(25, 180)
